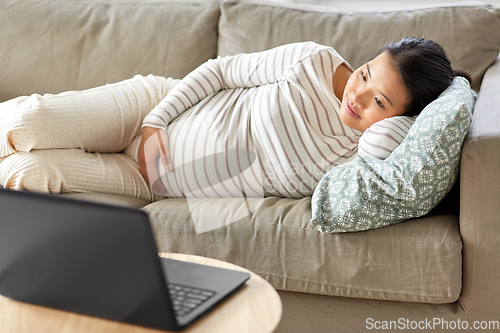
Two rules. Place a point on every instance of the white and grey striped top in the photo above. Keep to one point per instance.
(381, 138)
(265, 124)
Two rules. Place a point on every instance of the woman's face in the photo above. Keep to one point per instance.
(374, 91)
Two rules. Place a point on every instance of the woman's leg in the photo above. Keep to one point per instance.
(74, 170)
(102, 119)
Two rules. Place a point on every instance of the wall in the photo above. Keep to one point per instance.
(379, 5)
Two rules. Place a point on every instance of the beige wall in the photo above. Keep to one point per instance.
(382, 5)
(350, 4)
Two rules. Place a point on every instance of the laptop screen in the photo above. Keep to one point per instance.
(84, 257)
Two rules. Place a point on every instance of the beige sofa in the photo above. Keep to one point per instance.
(436, 273)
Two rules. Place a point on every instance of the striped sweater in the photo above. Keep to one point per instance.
(381, 138)
(261, 124)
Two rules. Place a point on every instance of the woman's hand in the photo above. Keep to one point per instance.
(154, 144)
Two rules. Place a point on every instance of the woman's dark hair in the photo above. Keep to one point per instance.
(424, 68)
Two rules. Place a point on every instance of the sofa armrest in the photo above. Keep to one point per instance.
(480, 203)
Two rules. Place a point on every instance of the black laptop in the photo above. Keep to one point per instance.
(100, 260)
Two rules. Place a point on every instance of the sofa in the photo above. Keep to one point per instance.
(437, 272)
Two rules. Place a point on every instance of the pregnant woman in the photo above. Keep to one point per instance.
(262, 124)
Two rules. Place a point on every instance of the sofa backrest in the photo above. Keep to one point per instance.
(53, 46)
(470, 32)
(49, 46)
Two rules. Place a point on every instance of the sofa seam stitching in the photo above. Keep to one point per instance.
(347, 287)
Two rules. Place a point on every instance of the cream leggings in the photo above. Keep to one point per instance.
(79, 141)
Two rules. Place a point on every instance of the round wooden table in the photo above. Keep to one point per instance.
(254, 308)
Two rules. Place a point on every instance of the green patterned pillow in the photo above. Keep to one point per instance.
(368, 193)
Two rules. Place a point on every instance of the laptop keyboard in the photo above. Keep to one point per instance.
(186, 299)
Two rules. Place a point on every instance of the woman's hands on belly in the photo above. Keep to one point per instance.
(154, 145)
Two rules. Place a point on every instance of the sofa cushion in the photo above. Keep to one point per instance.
(417, 260)
(54, 46)
(368, 193)
(468, 32)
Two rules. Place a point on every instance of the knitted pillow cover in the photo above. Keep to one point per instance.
(368, 193)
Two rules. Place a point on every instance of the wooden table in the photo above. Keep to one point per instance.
(254, 308)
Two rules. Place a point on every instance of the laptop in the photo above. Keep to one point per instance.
(101, 260)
